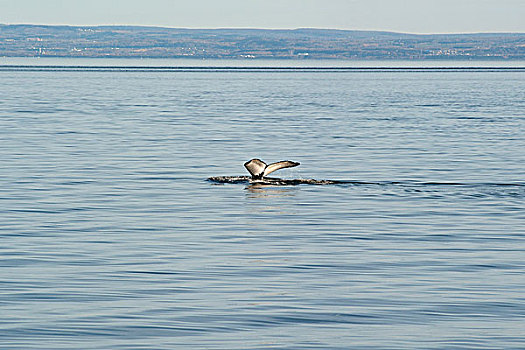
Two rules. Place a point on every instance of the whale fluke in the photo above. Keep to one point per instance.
(259, 169)
(279, 165)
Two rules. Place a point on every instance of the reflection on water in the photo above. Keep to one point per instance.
(263, 190)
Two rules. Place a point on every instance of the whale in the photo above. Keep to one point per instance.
(259, 169)
(259, 172)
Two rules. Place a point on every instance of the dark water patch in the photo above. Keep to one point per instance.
(428, 105)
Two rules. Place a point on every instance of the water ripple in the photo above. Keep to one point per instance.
(112, 238)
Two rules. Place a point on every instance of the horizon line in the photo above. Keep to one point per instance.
(259, 28)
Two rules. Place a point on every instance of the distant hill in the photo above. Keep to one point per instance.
(158, 42)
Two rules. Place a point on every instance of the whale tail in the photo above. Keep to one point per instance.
(258, 169)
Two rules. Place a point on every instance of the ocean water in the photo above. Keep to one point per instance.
(112, 237)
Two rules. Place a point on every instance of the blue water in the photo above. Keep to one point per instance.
(111, 237)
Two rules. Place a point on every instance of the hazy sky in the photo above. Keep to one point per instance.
(414, 16)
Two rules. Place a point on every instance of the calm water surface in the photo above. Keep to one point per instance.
(111, 237)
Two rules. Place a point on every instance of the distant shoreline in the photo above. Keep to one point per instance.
(241, 59)
(248, 44)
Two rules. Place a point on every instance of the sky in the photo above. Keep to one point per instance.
(408, 16)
